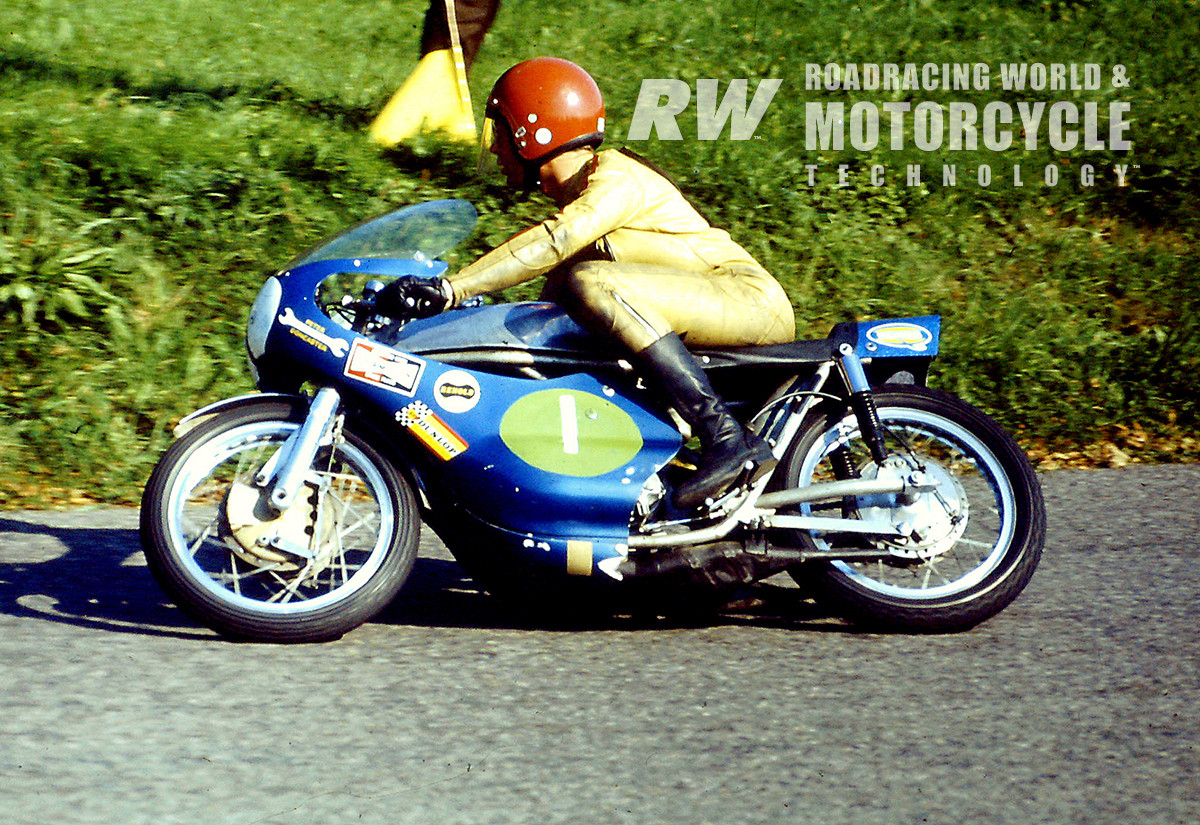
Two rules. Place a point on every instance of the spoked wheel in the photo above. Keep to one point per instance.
(320, 568)
(970, 543)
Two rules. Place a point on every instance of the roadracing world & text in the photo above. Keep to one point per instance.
(1067, 122)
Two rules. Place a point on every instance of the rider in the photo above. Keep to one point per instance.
(626, 256)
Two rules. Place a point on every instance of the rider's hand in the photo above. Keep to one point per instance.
(413, 297)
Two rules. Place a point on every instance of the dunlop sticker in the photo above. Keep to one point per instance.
(432, 431)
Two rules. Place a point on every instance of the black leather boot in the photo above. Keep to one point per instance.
(727, 451)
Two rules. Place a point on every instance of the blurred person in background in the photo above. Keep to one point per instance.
(435, 99)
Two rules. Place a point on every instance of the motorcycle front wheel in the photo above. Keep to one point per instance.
(971, 543)
(315, 571)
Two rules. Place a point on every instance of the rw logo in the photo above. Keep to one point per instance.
(743, 118)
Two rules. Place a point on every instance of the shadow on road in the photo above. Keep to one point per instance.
(439, 594)
(100, 582)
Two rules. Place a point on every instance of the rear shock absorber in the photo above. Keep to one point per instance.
(862, 402)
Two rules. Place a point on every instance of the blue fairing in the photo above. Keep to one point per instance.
(559, 463)
(532, 326)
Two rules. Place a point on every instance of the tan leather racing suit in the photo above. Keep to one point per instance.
(630, 257)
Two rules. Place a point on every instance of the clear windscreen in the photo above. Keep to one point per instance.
(423, 232)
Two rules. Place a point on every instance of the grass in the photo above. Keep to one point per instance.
(157, 160)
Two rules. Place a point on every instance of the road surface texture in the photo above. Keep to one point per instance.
(1079, 704)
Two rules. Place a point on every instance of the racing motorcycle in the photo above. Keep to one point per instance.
(545, 464)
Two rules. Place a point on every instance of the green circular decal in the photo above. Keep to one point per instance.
(570, 432)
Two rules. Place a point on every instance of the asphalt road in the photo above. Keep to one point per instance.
(1076, 705)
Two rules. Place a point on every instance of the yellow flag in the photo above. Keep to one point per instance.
(432, 100)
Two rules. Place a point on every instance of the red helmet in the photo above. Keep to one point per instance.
(550, 105)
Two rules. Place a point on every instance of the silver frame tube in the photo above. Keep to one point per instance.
(761, 512)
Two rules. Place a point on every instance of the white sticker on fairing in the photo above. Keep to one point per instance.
(901, 335)
(456, 391)
(384, 367)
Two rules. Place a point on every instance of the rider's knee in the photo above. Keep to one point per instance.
(588, 281)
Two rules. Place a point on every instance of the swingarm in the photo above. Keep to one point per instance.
(760, 513)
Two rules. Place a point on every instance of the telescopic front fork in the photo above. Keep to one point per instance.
(284, 473)
(862, 402)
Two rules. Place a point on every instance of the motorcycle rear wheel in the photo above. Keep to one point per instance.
(355, 517)
(977, 539)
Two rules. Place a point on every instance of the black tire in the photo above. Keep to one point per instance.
(975, 555)
(199, 546)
